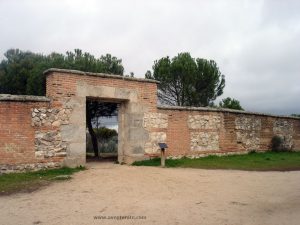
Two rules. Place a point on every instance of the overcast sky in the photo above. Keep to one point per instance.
(255, 43)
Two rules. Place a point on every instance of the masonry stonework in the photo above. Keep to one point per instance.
(284, 129)
(20, 150)
(151, 146)
(248, 130)
(204, 122)
(155, 120)
(136, 97)
(47, 132)
(196, 132)
(204, 141)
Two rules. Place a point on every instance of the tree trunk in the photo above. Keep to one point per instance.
(92, 133)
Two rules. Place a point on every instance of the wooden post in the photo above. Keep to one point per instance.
(162, 158)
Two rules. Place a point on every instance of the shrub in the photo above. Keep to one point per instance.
(252, 152)
(277, 143)
(105, 133)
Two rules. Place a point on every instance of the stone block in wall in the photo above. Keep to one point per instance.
(248, 130)
(151, 146)
(285, 130)
(49, 144)
(155, 120)
(6, 168)
(48, 117)
(204, 122)
(249, 139)
(248, 123)
(204, 141)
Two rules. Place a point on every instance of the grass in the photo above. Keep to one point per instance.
(30, 181)
(266, 161)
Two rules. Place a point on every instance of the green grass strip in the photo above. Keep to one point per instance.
(266, 161)
(30, 181)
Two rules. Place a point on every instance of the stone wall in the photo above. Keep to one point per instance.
(204, 141)
(204, 132)
(50, 117)
(285, 129)
(46, 132)
(49, 142)
(153, 123)
(248, 130)
(155, 120)
(151, 146)
(196, 132)
(20, 125)
(204, 122)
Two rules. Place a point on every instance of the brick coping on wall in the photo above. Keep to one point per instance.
(208, 109)
(23, 98)
(33, 98)
(104, 75)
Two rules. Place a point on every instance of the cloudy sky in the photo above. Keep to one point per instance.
(255, 43)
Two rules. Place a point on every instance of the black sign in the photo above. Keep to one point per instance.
(162, 145)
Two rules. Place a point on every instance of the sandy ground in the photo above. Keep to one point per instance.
(163, 196)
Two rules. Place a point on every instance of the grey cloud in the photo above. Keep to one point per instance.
(255, 43)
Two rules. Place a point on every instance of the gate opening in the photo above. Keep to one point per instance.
(101, 130)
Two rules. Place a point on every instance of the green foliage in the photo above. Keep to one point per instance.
(266, 161)
(105, 133)
(230, 103)
(295, 115)
(94, 110)
(252, 152)
(107, 140)
(131, 74)
(109, 145)
(16, 70)
(22, 71)
(186, 81)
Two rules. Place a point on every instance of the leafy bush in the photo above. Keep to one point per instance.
(277, 143)
(105, 133)
(252, 152)
(107, 140)
(109, 145)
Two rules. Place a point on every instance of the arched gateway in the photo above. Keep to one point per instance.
(38, 132)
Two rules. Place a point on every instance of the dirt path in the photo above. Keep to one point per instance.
(163, 196)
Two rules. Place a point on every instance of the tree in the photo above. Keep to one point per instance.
(111, 64)
(295, 115)
(22, 73)
(94, 110)
(230, 103)
(186, 81)
(16, 71)
(106, 133)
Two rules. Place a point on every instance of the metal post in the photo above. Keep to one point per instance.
(162, 157)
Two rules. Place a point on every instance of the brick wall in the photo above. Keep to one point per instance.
(62, 85)
(192, 132)
(38, 132)
(136, 96)
(17, 135)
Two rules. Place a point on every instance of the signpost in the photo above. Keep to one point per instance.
(162, 147)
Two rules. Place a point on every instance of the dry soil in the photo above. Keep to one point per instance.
(159, 196)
